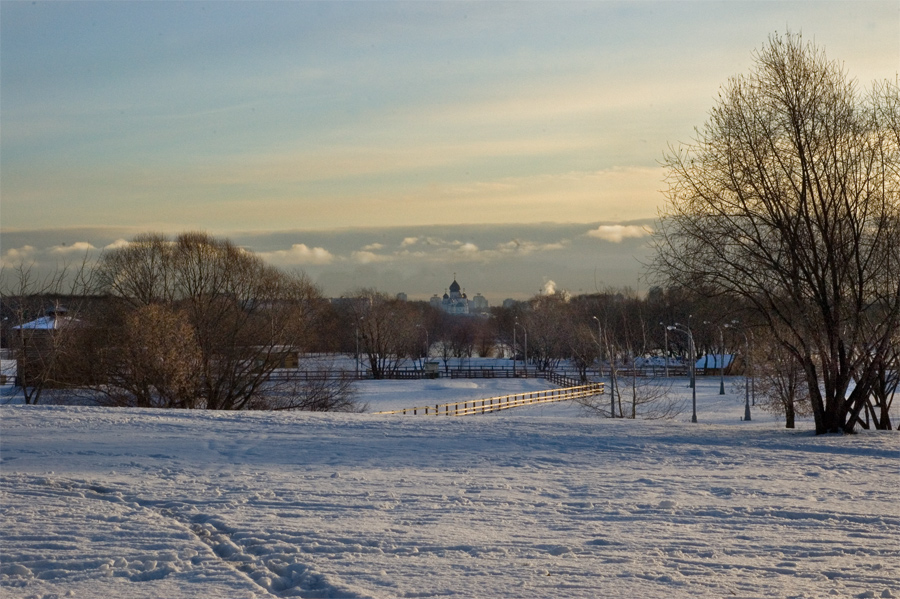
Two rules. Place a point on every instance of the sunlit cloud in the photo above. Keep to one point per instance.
(364, 257)
(79, 247)
(524, 248)
(117, 244)
(498, 261)
(15, 257)
(618, 233)
(299, 254)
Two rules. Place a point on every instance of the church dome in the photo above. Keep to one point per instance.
(454, 287)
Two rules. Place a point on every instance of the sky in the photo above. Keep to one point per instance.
(380, 144)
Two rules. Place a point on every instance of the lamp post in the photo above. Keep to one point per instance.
(666, 355)
(599, 348)
(515, 347)
(687, 331)
(525, 355)
(748, 378)
(721, 359)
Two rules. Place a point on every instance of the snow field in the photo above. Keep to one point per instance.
(535, 502)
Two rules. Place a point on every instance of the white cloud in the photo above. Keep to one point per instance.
(617, 233)
(369, 257)
(77, 247)
(13, 257)
(408, 241)
(299, 253)
(518, 246)
(468, 248)
(373, 246)
(117, 244)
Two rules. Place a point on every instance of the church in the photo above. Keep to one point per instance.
(455, 301)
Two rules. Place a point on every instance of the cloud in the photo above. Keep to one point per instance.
(79, 247)
(13, 257)
(524, 248)
(299, 253)
(364, 257)
(117, 244)
(618, 233)
(499, 261)
(373, 246)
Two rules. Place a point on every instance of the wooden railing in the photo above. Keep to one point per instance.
(505, 402)
(482, 372)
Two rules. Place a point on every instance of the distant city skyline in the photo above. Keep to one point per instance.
(380, 144)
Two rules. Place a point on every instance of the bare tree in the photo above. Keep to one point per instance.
(779, 381)
(40, 322)
(887, 383)
(548, 326)
(583, 345)
(788, 199)
(229, 320)
(323, 393)
(150, 360)
(651, 399)
(387, 331)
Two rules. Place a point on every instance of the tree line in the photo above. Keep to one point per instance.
(196, 322)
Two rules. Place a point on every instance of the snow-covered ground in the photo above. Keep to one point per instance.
(535, 502)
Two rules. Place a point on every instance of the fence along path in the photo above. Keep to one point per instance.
(504, 402)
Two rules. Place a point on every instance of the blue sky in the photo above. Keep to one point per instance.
(289, 120)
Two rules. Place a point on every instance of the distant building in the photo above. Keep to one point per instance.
(455, 301)
(480, 303)
(402, 297)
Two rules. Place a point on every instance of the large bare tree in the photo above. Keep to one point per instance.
(227, 322)
(789, 198)
(386, 329)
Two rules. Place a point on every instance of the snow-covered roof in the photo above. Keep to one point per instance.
(53, 321)
(714, 361)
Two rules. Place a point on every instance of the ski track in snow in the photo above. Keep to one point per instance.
(530, 503)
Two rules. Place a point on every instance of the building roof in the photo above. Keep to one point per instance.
(56, 318)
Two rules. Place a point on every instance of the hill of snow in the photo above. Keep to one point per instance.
(534, 502)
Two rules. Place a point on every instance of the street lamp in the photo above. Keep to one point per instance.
(515, 346)
(748, 377)
(525, 355)
(687, 331)
(666, 333)
(721, 359)
(612, 395)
